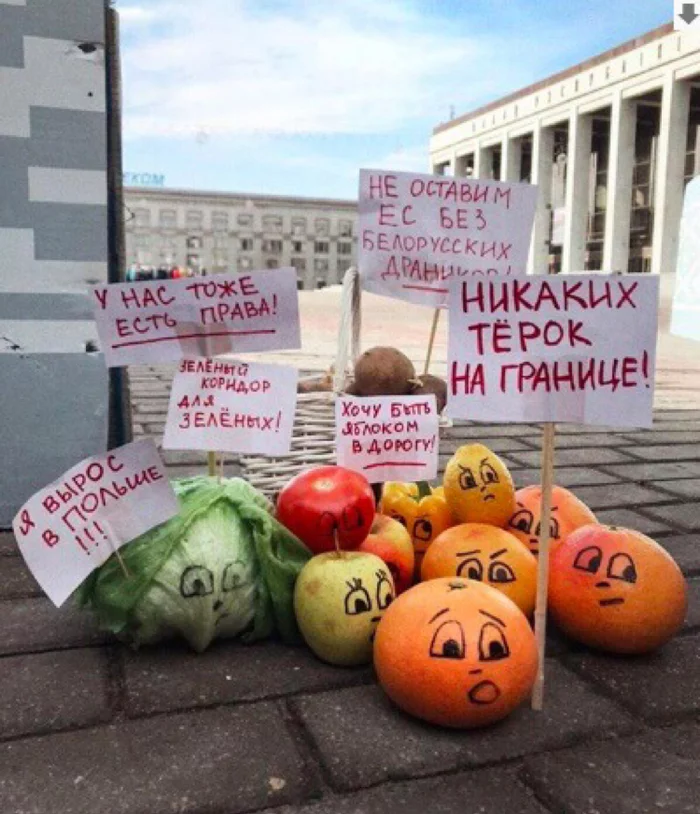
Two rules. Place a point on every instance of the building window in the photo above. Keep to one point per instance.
(299, 226)
(246, 244)
(221, 241)
(167, 252)
(220, 259)
(322, 227)
(345, 228)
(321, 247)
(219, 221)
(299, 263)
(272, 263)
(193, 261)
(168, 219)
(272, 246)
(244, 263)
(298, 246)
(244, 219)
(320, 266)
(343, 266)
(194, 242)
(194, 219)
(344, 248)
(272, 223)
(142, 217)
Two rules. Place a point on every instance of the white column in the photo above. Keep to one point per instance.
(461, 166)
(618, 212)
(668, 196)
(483, 162)
(511, 157)
(577, 178)
(542, 161)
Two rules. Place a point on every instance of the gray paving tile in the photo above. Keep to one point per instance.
(685, 550)
(568, 477)
(684, 488)
(8, 545)
(678, 516)
(17, 581)
(663, 686)
(36, 624)
(170, 677)
(628, 518)
(51, 691)
(651, 472)
(576, 457)
(620, 494)
(625, 777)
(363, 739)
(223, 760)
(665, 437)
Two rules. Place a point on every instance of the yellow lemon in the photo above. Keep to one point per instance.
(478, 487)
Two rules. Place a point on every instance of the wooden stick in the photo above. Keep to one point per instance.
(211, 463)
(431, 341)
(543, 561)
(110, 539)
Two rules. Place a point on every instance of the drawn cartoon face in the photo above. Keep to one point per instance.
(568, 513)
(478, 486)
(616, 589)
(339, 601)
(456, 653)
(486, 554)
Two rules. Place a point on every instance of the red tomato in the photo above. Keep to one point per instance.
(317, 504)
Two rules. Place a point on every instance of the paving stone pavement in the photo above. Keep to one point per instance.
(89, 726)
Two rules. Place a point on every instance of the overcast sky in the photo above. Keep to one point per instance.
(294, 96)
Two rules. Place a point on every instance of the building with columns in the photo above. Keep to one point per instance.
(237, 232)
(611, 144)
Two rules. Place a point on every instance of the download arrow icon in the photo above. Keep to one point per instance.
(688, 14)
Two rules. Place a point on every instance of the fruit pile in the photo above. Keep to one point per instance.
(457, 649)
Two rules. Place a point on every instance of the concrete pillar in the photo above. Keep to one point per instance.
(668, 196)
(511, 157)
(577, 182)
(542, 160)
(461, 166)
(618, 212)
(483, 162)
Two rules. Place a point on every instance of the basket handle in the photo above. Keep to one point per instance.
(350, 325)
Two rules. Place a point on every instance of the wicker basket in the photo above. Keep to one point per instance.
(313, 437)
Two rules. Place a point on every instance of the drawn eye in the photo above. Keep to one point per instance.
(492, 643)
(488, 474)
(234, 576)
(501, 573)
(423, 530)
(622, 567)
(196, 581)
(385, 594)
(522, 521)
(448, 641)
(471, 569)
(351, 519)
(357, 600)
(327, 525)
(589, 559)
(466, 478)
(554, 528)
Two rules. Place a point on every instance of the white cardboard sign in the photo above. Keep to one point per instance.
(232, 406)
(167, 320)
(575, 348)
(388, 437)
(685, 317)
(74, 525)
(417, 232)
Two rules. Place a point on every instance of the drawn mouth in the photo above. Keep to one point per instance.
(485, 692)
(618, 600)
(376, 620)
(489, 497)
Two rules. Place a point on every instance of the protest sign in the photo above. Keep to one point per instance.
(685, 317)
(74, 525)
(573, 348)
(419, 231)
(388, 437)
(167, 320)
(231, 406)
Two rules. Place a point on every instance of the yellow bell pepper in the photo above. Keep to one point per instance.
(422, 510)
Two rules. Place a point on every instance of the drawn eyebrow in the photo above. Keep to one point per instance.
(497, 553)
(484, 461)
(495, 618)
(439, 613)
(465, 553)
(518, 503)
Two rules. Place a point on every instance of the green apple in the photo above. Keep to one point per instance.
(339, 599)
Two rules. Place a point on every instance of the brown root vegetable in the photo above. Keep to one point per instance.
(351, 390)
(384, 371)
(435, 385)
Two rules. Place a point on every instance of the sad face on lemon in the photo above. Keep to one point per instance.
(478, 487)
